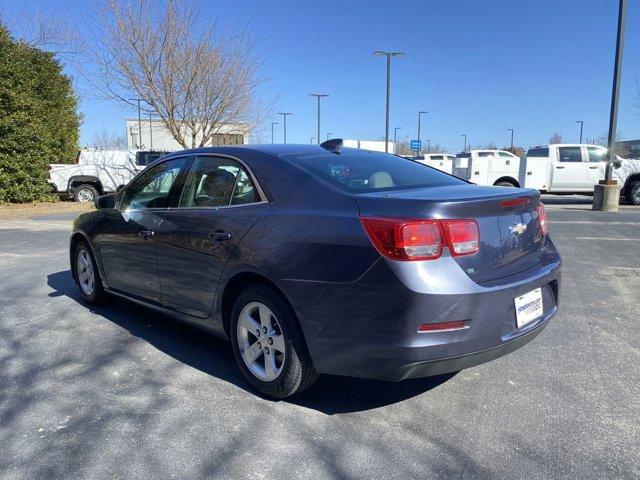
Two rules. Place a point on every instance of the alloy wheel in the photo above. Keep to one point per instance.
(85, 272)
(261, 341)
(85, 195)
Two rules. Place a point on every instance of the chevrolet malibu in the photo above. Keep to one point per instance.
(323, 259)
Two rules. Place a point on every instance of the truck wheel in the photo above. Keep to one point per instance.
(85, 193)
(633, 194)
(504, 184)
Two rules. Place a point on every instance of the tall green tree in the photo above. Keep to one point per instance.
(39, 121)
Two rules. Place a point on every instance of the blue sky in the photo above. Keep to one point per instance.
(477, 67)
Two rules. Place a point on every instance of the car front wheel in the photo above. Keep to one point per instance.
(85, 193)
(87, 275)
(268, 344)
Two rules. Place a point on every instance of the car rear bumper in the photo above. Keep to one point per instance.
(368, 328)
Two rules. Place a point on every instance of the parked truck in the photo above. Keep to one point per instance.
(558, 168)
(441, 161)
(97, 172)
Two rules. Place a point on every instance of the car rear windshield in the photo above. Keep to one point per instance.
(361, 171)
(538, 152)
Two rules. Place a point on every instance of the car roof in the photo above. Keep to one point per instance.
(271, 148)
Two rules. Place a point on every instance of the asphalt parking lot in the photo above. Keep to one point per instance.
(120, 392)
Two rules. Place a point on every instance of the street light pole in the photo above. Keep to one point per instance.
(581, 124)
(318, 96)
(511, 130)
(139, 122)
(284, 117)
(150, 133)
(428, 146)
(386, 126)
(615, 90)
(272, 124)
(312, 139)
(395, 134)
(419, 116)
(465, 141)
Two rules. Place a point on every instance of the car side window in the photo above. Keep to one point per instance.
(217, 182)
(505, 154)
(570, 154)
(153, 187)
(597, 154)
(437, 157)
(485, 154)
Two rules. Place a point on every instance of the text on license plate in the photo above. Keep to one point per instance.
(528, 307)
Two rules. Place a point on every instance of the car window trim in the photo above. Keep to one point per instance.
(261, 194)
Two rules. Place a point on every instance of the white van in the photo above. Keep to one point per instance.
(488, 167)
(441, 161)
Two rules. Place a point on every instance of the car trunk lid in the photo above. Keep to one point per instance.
(511, 240)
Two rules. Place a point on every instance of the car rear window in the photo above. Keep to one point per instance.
(361, 171)
(538, 152)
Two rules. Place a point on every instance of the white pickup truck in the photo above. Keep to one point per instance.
(441, 161)
(559, 168)
(97, 172)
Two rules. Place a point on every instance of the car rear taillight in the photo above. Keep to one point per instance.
(419, 239)
(542, 219)
(462, 236)
(403, 239)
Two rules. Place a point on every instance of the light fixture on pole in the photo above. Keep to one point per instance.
(284, 117)
(318, 96)
(329, 135)
(382, 53)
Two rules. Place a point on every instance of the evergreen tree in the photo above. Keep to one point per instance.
(38, 119)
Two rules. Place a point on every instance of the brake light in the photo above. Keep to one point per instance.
(514, 202)
(416, 239)
(444, 326)
(402, 239)
(542, 219)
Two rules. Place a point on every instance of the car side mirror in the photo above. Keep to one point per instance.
(120, 187)
(106, 202)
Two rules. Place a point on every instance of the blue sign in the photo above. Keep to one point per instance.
(416, 144)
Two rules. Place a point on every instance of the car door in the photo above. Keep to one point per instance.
(128, 251)
(597, 160)
(570, 171)
(220, 201)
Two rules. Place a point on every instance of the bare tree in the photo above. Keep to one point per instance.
(197, 81)
(555, 138)
(105, 140)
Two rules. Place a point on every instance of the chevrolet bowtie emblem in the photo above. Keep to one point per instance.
(518, 229)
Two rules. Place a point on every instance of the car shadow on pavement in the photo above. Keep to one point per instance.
(211, 355)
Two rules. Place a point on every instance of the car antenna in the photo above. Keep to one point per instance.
(334, 145)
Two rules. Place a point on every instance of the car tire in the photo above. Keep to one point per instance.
(85, 193)
(87, 275)
(262, 325)
(633, 194)
(504, 184)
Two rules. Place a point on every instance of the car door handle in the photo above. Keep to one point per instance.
(593, 168)
(146, 234)
(219, 236)
(560, 167)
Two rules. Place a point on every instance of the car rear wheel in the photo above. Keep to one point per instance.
(268, 344)
(85, 193)
(504, 184)
(87, 275)
(633, 195)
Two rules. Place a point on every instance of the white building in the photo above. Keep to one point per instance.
(375, 145)
(156, 137)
